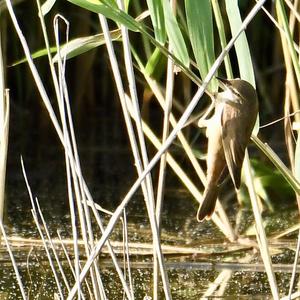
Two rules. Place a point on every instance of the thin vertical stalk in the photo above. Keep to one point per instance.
(35, 217)
(4, 113)
(294, 266)
(71, 265)
(134, 99)
(69, 185)
(126, 254)
(149, 203)
(291, 94)
(163, 160)
(57, 281)
(19, 280)
(72, 179)
(166, 126)
(137, 118)
(84, 216)
(260, 231)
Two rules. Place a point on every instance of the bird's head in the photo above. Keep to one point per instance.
(236, 91)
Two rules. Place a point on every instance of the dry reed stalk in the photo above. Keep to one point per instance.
(148, 193)
(260, 232)
(163, 159)
(77, 179)
(4, 128)
(19, 279)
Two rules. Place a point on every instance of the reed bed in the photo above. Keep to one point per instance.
(180, 34)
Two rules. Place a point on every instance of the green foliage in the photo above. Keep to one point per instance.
(75, 47)
(200, 27)
(268, 179)
(113, 12)
(176, 40)
(241, 45)
(285, 172)
(158, 20)
(155, 63)
(109, 10)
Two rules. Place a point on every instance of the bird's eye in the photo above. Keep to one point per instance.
(236, 93)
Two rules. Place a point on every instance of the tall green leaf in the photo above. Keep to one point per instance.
(158, 21)
(83, 44)
(241, 44)
(176, 39)
(111, 11)
(200, 27)
(74, 47)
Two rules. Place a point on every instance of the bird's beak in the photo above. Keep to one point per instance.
(224, 83)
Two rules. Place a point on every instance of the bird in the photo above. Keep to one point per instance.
(228, 131)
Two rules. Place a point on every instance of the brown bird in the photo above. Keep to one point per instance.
(228, 132)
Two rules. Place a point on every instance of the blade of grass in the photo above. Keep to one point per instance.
(241, 45)
(273, 157)
(200, 27)
(158, 19)
(221, 31)
(110, 11)
(19, 279)
(175, 37)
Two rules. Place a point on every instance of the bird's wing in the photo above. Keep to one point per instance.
(234, 142)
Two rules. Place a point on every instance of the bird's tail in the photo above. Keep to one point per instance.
(208, 204)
